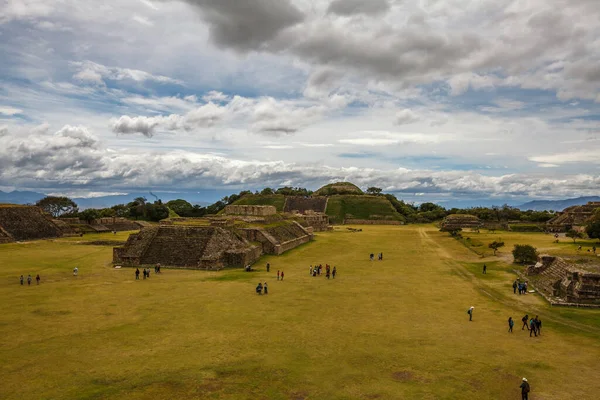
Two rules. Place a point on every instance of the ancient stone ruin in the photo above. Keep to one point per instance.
(460, 221)
(209, 247)
(562, 283)
(259, 211)
(572, 217)
(303, 204)
(19, 223)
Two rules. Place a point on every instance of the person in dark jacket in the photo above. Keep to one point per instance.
(265, 288)
(137, 273)
(538, 325)
(511, 323)
(525, 319)
(259, 288)
(533, 328)
(484, 269)
(525, 389)
(515, 287)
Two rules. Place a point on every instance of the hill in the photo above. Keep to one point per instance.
(556, 205)
(338, 188)
(341, 207)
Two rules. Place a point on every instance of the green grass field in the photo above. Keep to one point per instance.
(392, 329)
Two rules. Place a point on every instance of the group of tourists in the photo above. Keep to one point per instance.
(29, 279)
(260, 288)
(533, 325)
(316, 270)
(379, 256)
(521, 286)
(146, 272)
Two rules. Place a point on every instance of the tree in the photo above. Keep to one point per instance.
(57, 206)
(593, 227)
(573, 234)
(375, 191)
(121, 210)
(181, 207)
(524, 253)
(89, 215)
(267, 191)
(495, 245)
(156, 211)
(454, 232)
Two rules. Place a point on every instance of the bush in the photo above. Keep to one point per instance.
(525, 228)
(524, 253)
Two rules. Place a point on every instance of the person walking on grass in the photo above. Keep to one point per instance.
(511, 323)
(21, 279)
(533, 328)
(538, 325)
(525, 319)
(515, 287)
(268, 268)
(333, 273)
(259, 288)
(137, 274)
(29, 279)
(525, 389)
(265, 288)
(484, 269)
(470, 312)
(281, 275)
(277, 274)
(37, 278)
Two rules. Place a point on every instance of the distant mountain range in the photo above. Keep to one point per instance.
(556, 205)
(202, 197)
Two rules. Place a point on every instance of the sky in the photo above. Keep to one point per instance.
(440, 100)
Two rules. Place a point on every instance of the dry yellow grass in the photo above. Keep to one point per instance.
(391, 330)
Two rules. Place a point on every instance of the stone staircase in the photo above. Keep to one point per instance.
(549, 273)
(177, 246)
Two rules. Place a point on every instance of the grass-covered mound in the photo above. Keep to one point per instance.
(338, 188)
(277, 200)
(341, 207)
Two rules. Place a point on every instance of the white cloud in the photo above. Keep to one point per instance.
(405, 117)
(88, 71)
(10, 111)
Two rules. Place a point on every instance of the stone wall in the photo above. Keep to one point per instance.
(27, 223)
(561, 282)
(250, 210)
(302, 204)
(318, 221)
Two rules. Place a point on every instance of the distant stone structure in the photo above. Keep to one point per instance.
(562, 283)
(259, 211)
(209, 247)
(572, 217)
(460, 221)
(19, 223)
(318, 221)
(304, 204)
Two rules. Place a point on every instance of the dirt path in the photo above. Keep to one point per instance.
(493, 293)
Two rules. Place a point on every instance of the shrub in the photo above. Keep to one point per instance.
(524, 253)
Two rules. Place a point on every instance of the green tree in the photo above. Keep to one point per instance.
(454, 232)
(593, 227)
(495, 245)
(375, 191)
(181, 207)
(524, 253)
(573, 234)
(57, 206)
(267, 191)
(156, 211)
(121, 210)
(89, 215)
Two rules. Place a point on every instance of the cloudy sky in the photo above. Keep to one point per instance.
(439, 99)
